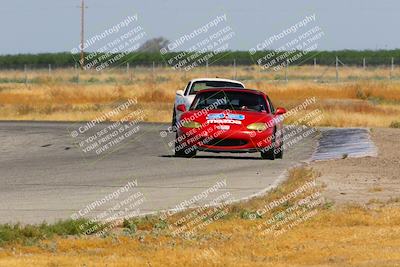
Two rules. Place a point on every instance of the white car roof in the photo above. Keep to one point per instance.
(215, 79)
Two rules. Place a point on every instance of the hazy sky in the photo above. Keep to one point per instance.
(32, 26)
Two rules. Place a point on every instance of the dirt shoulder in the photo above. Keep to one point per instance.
(365, 180)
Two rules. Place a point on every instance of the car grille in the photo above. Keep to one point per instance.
(226, 142)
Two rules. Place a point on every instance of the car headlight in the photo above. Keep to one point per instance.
(258, 126)
(191, 124)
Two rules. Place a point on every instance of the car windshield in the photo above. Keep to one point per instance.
(201, 85)
(231, 100)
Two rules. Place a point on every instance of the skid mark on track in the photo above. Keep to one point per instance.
(343, 143)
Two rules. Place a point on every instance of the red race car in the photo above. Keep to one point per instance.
(230, 120)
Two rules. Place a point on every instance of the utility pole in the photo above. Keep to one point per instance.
(82, 60)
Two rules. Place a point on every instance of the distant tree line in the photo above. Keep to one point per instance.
(146, 58)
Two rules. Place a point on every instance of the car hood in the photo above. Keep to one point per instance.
(236, 117)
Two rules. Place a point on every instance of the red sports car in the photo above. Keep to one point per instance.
(230, 120)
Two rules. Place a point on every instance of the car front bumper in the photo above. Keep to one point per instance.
(234, 141)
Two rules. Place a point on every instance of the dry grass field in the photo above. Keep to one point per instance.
(335, 236)
(360, 98)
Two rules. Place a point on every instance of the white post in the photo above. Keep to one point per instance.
(49, 69)
(154, 71)
(392, 68)
(315, 69)
(131, 74)
(26, 74)
(286, 70)
(337, 69)
(76, 73)
(127, 67)
(364, 63)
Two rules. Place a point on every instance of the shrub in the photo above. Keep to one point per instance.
(29, 234)
(395, 124)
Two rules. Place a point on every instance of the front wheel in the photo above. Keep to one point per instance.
(182, 151)
(268, 153)
(279, 153)
(173, 118)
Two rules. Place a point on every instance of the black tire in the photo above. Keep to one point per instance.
(183, 154)
(173, 118)
(186, 152)
(279, 155)
(279, 152)
(269, 152)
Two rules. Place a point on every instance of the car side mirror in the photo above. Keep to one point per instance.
(280, 111)
(179, 92)
(181, 107)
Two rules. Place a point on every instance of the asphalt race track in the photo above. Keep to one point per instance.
(45, 175)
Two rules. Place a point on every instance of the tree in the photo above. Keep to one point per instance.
(154, 45)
